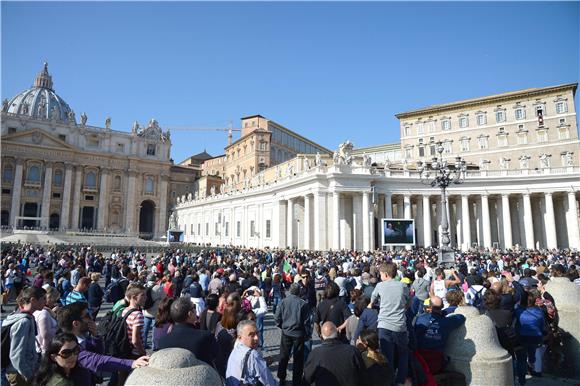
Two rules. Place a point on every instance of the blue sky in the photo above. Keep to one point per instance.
(329, 71)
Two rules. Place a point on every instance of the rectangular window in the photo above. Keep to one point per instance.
(6, 191)
(151, 149)
(520, 114)
(191, 229)
(199, 229)
(62, 137)
(407, 131)
(463, 122)
(446, 125)
(522, 138)
(408, 153)
(207, 229)
(540, 111)
(563, 133)
(252, 228)
(480, 120)
(542, 136)
(238, 229)
(431, 126)
(267, 229)
(56, 195)
(562, 121)
(502, 140)
(500, 116)
(11, 130)
(120, 148)
(420, 130)
(421, 151)
(447, 147)
(482, 141)
(432, 149)
(465, 145)
(216, 229)
(227, 229)
(561, 107)
(93, 142)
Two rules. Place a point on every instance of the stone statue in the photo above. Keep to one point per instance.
(289, 169)
(173, 220)
(367, 161)
(483, 164)
(278, 172)
(306, 163)
(344, 155)
(5, 105)
(220, 189)
(504, 163)
(189, 196)
(212, 190)
(336, 158)
(525, 162)
(178, 200)
(387, 164)
(196, 195)
(84, 119)
(545, 160)
(568, 159)
(135, 127)
(25, 107)
(153, 124)
(71, 116)
(108, 123)
(405, 164)
(318, 160)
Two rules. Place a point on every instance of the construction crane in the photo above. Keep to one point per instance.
(230, 130)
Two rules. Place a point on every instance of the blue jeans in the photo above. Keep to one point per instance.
(148, 326)
(526, 354)
(391, 341)
(260, 327)
(275, 301)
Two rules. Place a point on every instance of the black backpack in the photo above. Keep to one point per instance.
(115, 337)
(5, 338)
(114, 292)
(149, 300)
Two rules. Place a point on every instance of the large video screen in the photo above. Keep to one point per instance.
(397, 231)
(175, 236)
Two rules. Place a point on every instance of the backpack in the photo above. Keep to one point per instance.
(5, 341)
(508, 337)
(149, 300)
(319, 283)
(114, 292)
(478, 299)
(115, 337)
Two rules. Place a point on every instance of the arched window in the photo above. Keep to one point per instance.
(33, 173)
(57, 181)
(8, 173)
(149, 185)
(117, 183)
(91, 180)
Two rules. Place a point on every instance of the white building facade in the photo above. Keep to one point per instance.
(340, 206)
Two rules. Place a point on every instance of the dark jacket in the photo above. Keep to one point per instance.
(334, 364)
(96, 294)
(213, 321)
(201, 343)
(433, 329)
(292, 315)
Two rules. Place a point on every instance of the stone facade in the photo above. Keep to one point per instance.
(62, 175)
(530, 129)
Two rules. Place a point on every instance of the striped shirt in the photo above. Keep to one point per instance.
(75, 296)
(135, 320)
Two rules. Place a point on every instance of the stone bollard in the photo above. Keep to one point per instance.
(566, 296)
(475, 352)
(174, 367)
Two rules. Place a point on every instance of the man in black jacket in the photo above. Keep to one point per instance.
(334, 363)
(291, 316)
(184, 335)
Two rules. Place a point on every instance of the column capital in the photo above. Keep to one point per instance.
(48, 164)
(505, 195)
(548, 194)
(68, 165)
(132, 172)
(105, 169)
(19, 161)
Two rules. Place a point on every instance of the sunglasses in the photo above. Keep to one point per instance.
(67, 353)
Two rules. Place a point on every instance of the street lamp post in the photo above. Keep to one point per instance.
(440, 173)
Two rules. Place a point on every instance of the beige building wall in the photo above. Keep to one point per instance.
(497, 132)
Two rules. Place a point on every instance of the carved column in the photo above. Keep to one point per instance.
(466, 219)
(407, 207)
(307, 235)
(366, 221)
(130, 201)
(103, 190)
(290, 223)
(65, 210)
(162, 228)
(77, 198)
(357, 220)
(427, 228)
(46, 192)
(320, 225)
(388, 205)
(572, 222)
(336, 220)
(550, 221)
(16, 192)
(485, 221)
(506, 221)
(528, 222)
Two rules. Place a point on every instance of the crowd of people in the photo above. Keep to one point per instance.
(382, 317)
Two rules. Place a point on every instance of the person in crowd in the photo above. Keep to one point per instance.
(258, 303)
(392, 327)
(58, 361)
(163, 321)
(420, 289)
(65, 287)
(245, 365)
(46, 320)
(216, 284)
(184, 335)
(277, 291)
(209, 318)
(378, 370)
(24, 359)
(334, 363)
(432, 329)
(368, 318)
(502, 320)
(78, 293)
(531, 327)
(440, 285)
(332, 309)
(225, 334)
(475, 293)
(75, 319)
(95, 295)
(292, 316)
(156, 294)
(196, 294)
(454, 299)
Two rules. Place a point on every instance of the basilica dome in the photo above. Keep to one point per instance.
(40, 101)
